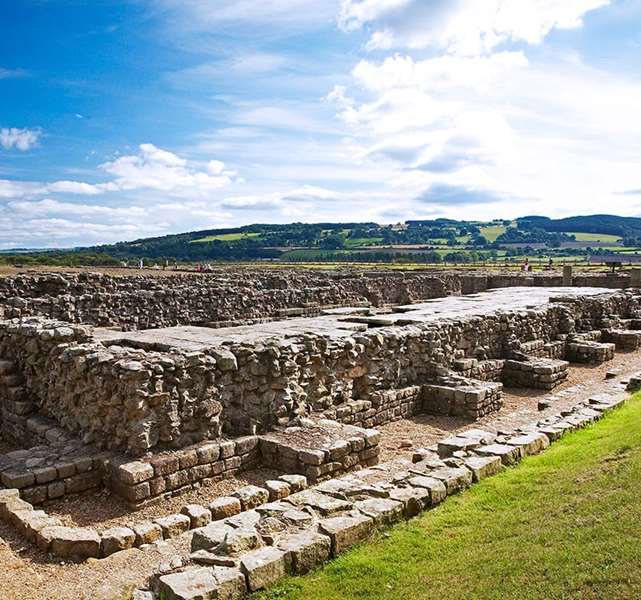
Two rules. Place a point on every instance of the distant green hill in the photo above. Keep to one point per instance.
(421, 241)
(607, 224)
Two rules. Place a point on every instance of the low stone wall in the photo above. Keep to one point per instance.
(224, 296)
(537, 373)
(52, 471)
(461, 397)
(589, 352)
(170, 473)
(323, 450)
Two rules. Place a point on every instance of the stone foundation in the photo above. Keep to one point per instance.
(536, 373)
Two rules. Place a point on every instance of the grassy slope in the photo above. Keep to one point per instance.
(491, 232)
(594, 237)
(565, 524)
(226, 237)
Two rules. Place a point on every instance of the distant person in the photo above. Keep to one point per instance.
(526, 265)
(141, 264)
(550, 264)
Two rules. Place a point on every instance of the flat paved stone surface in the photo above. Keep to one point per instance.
(344, 323)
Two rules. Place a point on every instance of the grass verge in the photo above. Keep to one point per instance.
(564, 524)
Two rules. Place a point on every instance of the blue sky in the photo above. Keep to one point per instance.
(135, 118)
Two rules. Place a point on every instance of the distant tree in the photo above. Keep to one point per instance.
(334, 241)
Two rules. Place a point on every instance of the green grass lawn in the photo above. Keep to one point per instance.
(564, 524)
(226, 237)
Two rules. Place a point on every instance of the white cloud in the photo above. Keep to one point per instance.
(462, 26)
(157, 169)
(20, 139)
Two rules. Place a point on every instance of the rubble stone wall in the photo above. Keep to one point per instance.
(239, 295)
(134, 400)
(145, 302)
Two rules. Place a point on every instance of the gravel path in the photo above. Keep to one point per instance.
(401, 438)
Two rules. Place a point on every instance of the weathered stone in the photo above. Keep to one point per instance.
(193, 584)
(325, 505)
(455, 479)
(297, 483)
(147, 533)
(483, 466)
(413, 499)
(264, 567)
(117, 539)
(69, 542)
(251, 496)
(436, 488)
(199, 516)
(173, 525)
(225, 506)
(382, 511)
(531, 443)
(345, 531)
(509, 455)
(210, 537)
(277, 489)
(306, 550)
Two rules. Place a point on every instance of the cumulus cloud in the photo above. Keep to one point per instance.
(20, 139)
(462, 26)
(157, 169)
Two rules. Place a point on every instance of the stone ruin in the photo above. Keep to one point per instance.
(152, 385)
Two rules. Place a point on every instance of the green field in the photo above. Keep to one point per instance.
(564, 524)
(371, 241)
(593, 237)
(227, 237)
(491, 232)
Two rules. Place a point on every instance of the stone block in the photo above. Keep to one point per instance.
(414, 499)
(69, 542)
(199, 516)
(173, 525)
(384, 512)
(436, 488)
(277, 489)
(307, 550)
(251, 496)
(117, 539)
(225, 506)
(345, 531)
(509, 455)
(264, 567)
(210, 536)
(197, 583)
(135, 472)
(482, 466)
(147, 533)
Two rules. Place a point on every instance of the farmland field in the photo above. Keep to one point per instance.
(227, 237)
